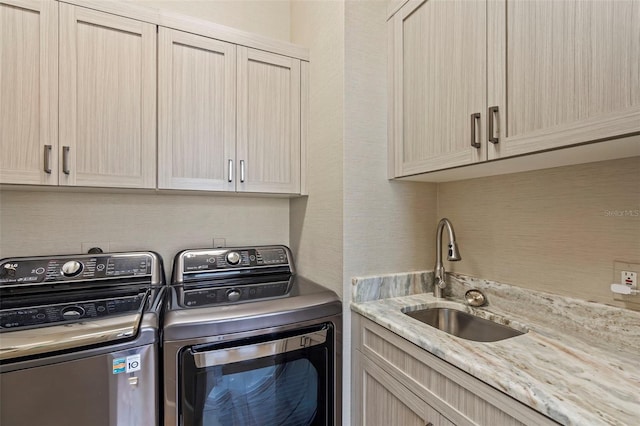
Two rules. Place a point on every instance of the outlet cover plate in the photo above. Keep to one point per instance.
(618, 267)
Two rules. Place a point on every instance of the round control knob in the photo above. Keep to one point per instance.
(71, 268)
(72, 312)
(233, 258)
(233, 295)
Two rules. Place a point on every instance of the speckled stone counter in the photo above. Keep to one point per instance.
(579, 362)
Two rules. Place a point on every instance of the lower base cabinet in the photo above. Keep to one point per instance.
(398, 383)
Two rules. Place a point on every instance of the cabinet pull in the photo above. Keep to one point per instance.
(47, 159)
(65, 160)
(492, 116)
(475, 120)
(429, 424)
(230, 177)
(241, 171)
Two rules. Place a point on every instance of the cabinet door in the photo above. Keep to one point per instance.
(439, 81)
(197, 112)
(107, 100)
(562, 72)
(382, 400)
(28, 92)
(268, 149)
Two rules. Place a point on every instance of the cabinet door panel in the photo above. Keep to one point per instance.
(268, 149)
(563, 72)
(381, 400)
(439, 81)
(28, 91)
(107, 99)
(197, 112)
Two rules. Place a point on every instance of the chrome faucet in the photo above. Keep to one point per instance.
(452, 255)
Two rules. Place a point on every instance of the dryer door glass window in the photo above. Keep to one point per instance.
(280, 379)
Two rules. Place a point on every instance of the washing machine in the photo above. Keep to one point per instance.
(79, 339)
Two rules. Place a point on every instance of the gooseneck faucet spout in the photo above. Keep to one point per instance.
(452, 255)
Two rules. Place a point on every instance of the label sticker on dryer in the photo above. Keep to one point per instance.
(129, 364)
(119, 365)
(133, 363)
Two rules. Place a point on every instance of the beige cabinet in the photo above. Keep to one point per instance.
(380, 400)
(492, 80)
(439, 84)
(196, 112)
(269, 111)
(28, 92)
(422, 386)
(107, 100)
(229, 116)
(562, 73)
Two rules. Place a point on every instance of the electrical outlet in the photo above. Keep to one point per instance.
(103, 245)
(626, 273)
(630, 279)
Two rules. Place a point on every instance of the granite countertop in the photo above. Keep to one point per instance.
(578, 363)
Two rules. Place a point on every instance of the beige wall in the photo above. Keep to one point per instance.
(270, 18)
(549, 230)
(42, 223)
(316, 221)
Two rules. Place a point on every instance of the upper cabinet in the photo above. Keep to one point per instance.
(479, 81)
(107, 100)
(229, 116)
(439, 88)
(197, 112)
(224, 113)
(268, 122)
(29, 92)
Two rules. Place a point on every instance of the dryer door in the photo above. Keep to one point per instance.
(278, 379)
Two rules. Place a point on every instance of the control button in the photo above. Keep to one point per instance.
(72, 312)
(233, 295)
(40, 271)
(101, 309)
(211, 260)
(100, 267)
(8, 270)
(40, 316)
(233, 258)
(71, 268)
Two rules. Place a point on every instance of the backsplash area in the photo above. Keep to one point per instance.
(45, 223)
(557, 230)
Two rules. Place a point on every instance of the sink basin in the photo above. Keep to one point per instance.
(464, 325)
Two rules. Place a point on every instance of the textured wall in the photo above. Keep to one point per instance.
(41, 223)
(557, 230)
(388, 226)
(316, 221)
(270, 18)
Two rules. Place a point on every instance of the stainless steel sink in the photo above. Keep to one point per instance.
(464, 325)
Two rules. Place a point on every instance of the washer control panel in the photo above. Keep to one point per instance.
(51, 314)
(219, 260)
(43, 270)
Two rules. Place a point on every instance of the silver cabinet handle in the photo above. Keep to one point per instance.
(492, 116)
(230, 171)
(258, 350)
(47, 159)
(65, 160)
(242, 171)
(475, 120)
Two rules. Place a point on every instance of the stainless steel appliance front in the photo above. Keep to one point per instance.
(274, 360)
(79, 340)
